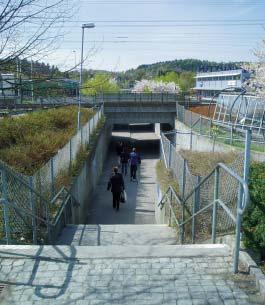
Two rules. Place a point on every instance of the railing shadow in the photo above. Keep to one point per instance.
(63, 258)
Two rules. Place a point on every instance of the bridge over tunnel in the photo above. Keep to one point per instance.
(139, 208)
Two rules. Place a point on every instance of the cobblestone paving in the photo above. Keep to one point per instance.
(132, 281)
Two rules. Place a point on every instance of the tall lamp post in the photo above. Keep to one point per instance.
(84, 26)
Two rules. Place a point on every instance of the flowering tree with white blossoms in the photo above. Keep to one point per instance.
(155, 87)
(257, 82)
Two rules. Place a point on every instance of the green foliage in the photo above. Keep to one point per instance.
(28, 142)
(185, 80)
(128, 78)
(100, 83)
(254, 218)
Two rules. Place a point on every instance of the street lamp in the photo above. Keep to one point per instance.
(84, 26)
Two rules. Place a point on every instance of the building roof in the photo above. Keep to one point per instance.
(219, 73)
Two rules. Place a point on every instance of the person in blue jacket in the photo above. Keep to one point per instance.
(135, 160)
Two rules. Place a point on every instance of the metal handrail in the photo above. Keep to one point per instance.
(231, 173)
(242, 203)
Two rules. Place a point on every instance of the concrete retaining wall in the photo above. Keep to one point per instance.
(204, 144)
(85, 184)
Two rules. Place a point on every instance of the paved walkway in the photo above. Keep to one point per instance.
(139, 208)
(169, 275)
(106, 235)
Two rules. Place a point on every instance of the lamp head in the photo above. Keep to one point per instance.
(88, 25)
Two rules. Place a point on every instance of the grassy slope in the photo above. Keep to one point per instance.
(29, 141)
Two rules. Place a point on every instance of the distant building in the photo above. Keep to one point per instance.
(7, 85)
(209, 84)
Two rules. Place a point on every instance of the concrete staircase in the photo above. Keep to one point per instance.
(123, 265)
(107, 235)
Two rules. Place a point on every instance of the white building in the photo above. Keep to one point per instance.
(208, 84)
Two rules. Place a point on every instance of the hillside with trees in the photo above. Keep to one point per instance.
(179, 66)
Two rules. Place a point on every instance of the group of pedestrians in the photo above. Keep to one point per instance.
(126, 158)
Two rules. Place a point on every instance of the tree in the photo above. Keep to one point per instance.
(29, 27)
(155, 86)
(100, 83)
(257, 82)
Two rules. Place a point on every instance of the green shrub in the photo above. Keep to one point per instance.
(29, 141)
(254, 217)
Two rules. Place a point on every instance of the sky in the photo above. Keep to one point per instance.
(129, 33)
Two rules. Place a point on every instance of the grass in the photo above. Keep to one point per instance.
(222, 135)
(28, 142)
(165, 178)
(66, 177)
(202, 163)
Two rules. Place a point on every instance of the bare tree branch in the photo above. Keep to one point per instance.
(27, 27)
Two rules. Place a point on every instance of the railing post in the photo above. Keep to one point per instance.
(70, 153)
(216, 197)
(191, 140)
(52, 177)
(241, 199)
(183, 197)
(33, 210)
(231, 135)
(170, 154)
(200, 125)
(247, 154)
(81, 135)
(238, 227)
(170, 212)
(196, 205)
(6, 208)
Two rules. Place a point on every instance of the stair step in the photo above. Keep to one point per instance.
(106, 235)
(105, 252)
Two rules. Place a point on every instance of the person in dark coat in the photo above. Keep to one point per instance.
(124, 158)
(116, 185)
(119, 148)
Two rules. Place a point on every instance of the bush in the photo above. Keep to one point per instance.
(254, 217)
(29, 141)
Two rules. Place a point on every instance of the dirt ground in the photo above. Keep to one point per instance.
(203, 110)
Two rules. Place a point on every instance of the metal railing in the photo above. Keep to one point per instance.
(197, 218)
(225, 132)
(132, 98)
(28, 218)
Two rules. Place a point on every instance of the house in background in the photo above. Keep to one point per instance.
(208, 84)
(7, 85)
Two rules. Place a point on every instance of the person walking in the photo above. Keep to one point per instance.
(124, 158)
(134, 161)
(116, 185)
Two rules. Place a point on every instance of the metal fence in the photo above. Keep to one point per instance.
(133, 97)
(26, 217)
(206, 206)
(34, 209)
(223, 132)
(45, 179)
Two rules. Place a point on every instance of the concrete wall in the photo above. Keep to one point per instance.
(160, 217)
(204, 144)
(85, 184)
